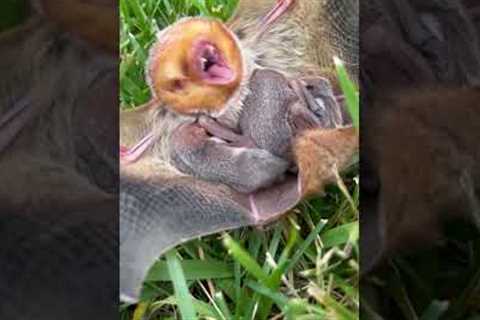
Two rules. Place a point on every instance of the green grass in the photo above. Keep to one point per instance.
(303, 267)
(441, 283)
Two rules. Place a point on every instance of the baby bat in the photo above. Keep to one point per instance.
(272, 117)
(244, 169)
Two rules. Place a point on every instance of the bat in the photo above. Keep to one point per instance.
(191, 76)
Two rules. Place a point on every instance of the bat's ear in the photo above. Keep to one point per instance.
(95, 21)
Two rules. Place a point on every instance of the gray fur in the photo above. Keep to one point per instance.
(265, 113)
(277, 110)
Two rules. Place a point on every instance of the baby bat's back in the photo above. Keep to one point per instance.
(265, 112)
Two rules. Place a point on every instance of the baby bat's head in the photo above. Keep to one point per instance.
(195, 66)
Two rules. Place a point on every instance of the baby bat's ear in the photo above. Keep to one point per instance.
(95, 21)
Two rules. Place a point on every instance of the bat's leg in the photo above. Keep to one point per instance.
(130, 155)
(276, 12)
(269, 204)
(319, 153)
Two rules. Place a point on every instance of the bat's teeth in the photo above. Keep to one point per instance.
(203, 62)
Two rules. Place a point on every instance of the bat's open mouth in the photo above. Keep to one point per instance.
(211, 64)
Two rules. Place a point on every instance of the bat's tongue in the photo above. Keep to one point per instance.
(218, 74)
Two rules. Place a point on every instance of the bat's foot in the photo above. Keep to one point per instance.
(131, 155)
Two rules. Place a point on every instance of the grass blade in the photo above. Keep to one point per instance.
(435, 310)
(183, 297)
(244, 258)
(350, 92)
(193, 270)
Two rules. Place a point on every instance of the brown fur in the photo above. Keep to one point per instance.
(320, 154)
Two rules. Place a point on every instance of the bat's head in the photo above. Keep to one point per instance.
(196, 66)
